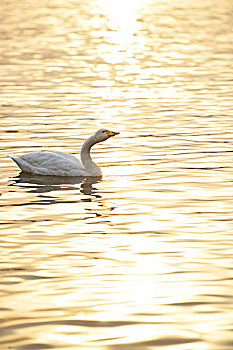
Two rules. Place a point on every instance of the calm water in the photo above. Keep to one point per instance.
(142, 259)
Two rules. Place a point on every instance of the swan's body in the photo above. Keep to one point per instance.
(62, 164)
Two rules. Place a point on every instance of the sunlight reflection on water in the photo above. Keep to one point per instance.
(141, 259)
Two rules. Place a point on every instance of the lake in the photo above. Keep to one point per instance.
(141, 259)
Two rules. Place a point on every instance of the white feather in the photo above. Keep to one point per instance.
(62, 164)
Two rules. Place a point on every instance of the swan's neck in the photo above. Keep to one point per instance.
(85, 156)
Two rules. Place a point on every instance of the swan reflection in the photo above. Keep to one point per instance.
(45, 184)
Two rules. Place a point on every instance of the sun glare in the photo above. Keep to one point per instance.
(122, 14)
(123, 22)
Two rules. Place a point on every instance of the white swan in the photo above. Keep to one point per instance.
(63, 164)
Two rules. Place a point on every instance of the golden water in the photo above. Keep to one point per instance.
(143, 258)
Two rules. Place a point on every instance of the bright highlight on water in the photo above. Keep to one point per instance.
(141, 259)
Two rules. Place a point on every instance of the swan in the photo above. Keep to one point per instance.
(62, 164)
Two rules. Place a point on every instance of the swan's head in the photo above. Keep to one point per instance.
(104, 134)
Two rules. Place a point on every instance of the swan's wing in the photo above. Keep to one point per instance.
(54, 158)
(67, 156)
(50, 163)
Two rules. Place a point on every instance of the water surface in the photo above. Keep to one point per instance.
(141, 259)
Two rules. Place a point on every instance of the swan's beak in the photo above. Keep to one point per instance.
(111, 133)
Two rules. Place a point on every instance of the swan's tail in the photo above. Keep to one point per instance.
(16, 160)
(22, 164)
